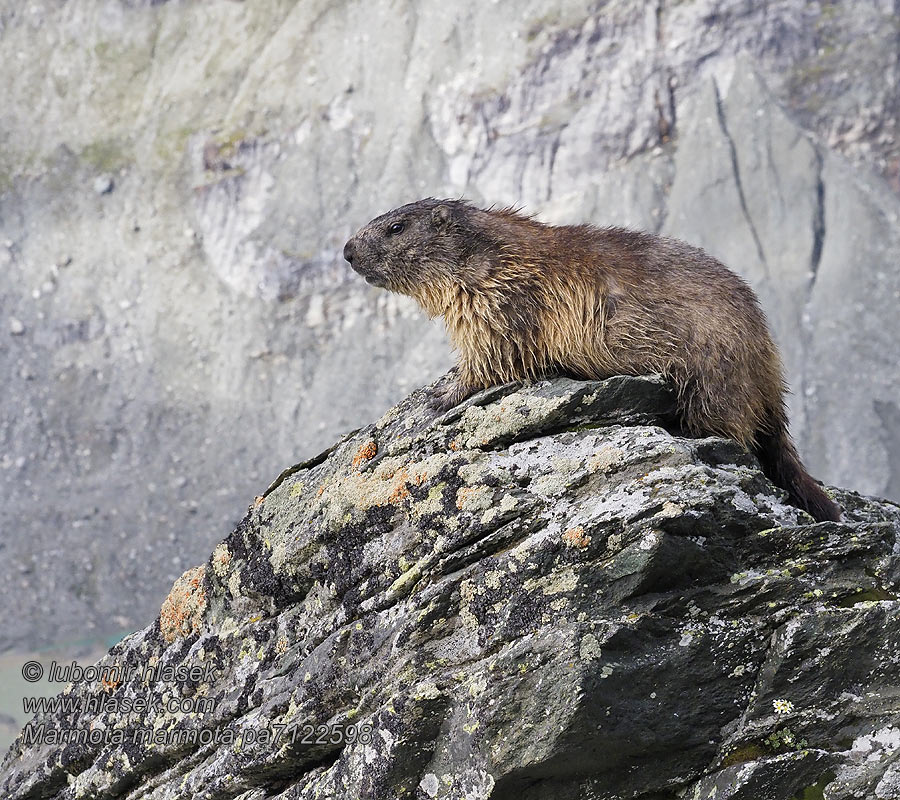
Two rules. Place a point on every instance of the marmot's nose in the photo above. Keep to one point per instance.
(349, 251)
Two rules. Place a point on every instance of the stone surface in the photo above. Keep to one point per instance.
(190, 331)
(543, 593)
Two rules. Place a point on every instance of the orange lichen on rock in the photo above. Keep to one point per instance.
(109, 684)
(576, 537)
(388, 482)
(399, 494)
(182, 611)
(365, 453)
(464, 494)
(399, 480)
(258, 500)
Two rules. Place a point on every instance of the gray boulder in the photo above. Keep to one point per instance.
(546, 592)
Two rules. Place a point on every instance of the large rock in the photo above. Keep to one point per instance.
(543, 593)
(177, 181)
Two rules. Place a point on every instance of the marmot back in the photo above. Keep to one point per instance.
(521, 299)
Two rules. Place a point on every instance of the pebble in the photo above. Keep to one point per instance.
(103, 184)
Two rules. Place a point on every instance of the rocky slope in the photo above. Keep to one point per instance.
(543, 593)
(177, 180)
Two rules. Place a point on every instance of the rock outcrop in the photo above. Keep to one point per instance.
(546, 592)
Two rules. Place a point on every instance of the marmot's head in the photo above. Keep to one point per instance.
(416, 248)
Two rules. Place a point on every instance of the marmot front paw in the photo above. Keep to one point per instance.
(445, 397)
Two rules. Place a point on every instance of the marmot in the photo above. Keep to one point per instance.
(525, 300)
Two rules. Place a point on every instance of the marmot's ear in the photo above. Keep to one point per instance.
(441, 216)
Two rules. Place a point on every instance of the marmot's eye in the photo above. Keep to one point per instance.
(396, 227)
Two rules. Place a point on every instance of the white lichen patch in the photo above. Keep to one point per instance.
(483, 425)
(493, 578)
(477, 686)
(430, 784)
(556, 583)
(552, 484)
(877, 743)
(474, 498)
(426, 690)
(480, 468)
(507, 504)
(671, 510)
(589, 649)
(389, 416)
(221, 560)
(606, 459)
(650, 540)
(468, 591)
(567, 465)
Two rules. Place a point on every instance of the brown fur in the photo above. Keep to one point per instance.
(521, 299)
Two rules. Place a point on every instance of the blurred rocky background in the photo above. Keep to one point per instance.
(177, 180)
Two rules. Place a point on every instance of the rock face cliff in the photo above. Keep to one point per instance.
(544, 593)
(177, 180)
